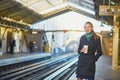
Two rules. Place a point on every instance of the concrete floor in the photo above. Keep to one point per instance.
(104, 70)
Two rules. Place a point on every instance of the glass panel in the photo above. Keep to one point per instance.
(40, 5)
(55, 2)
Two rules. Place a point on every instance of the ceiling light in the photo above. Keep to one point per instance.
(82, 8)
(54, 8)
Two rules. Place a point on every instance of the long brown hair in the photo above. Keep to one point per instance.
(89, 23)
(95, 36)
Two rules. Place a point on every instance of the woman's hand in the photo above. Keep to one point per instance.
(83, 50)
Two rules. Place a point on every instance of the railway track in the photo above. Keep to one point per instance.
(43, 70)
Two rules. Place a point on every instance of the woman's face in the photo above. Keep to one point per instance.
(88, 28)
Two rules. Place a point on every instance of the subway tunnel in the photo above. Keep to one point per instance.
(39, 39)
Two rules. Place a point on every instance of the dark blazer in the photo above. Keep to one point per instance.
(12, 43)
(86, 62)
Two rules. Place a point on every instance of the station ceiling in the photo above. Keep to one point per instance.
(32, 11)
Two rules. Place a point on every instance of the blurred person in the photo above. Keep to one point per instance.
(89, 50)
(31, 45)
(12, 45)
(21, 47)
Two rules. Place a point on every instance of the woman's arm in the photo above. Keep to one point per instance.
(80, 46)
(99, 49)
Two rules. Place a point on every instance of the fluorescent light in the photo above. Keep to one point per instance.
(113, 3)
(65, 5)
(34, 32)
(82, 8)
(54, 8)
(19, 1)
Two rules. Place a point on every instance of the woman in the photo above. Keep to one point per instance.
(88, 46)
(31, 45)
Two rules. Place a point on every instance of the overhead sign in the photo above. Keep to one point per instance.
(109, 10)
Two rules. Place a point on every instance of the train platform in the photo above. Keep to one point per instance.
(104, 70)
(8, 59)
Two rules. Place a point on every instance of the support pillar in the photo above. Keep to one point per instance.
(115, 43)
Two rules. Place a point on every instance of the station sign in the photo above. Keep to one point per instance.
(109, 10)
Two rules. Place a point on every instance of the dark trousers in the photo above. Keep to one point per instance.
(31, 49)
(92, 78)
(11, 50)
